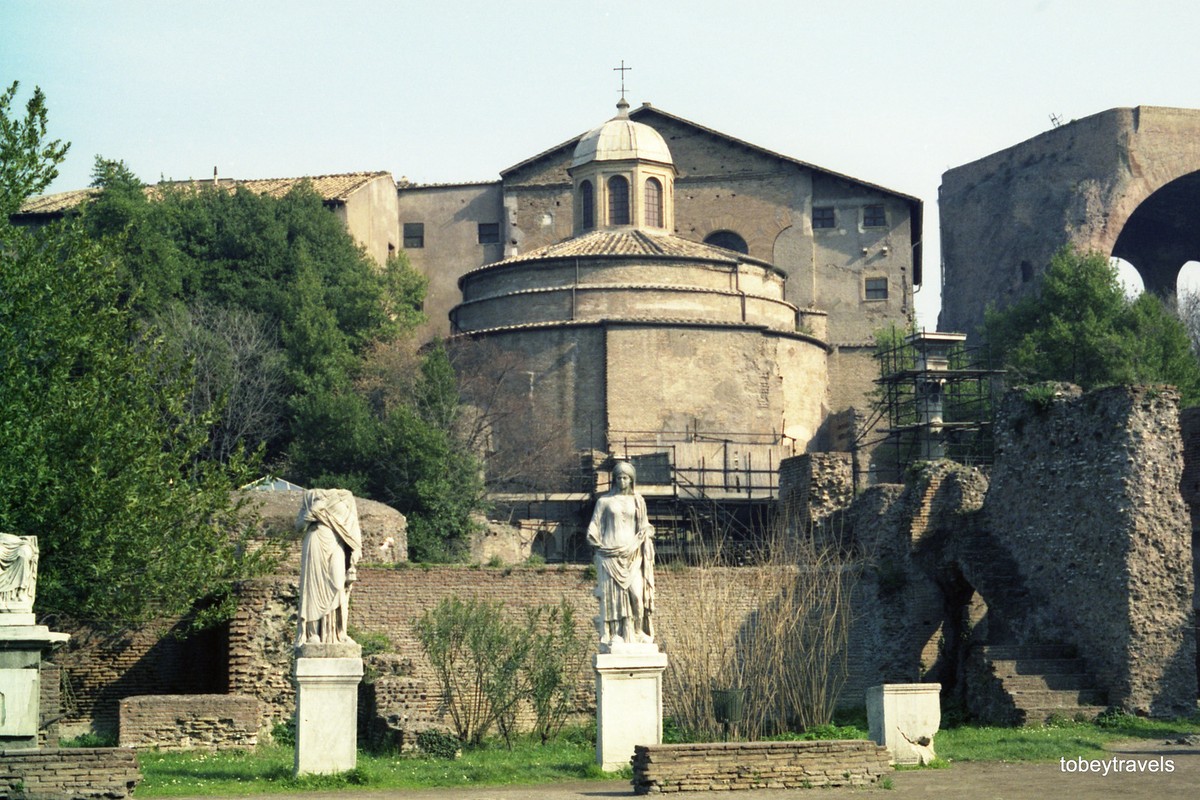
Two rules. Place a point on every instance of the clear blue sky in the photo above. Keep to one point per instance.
(893, 93)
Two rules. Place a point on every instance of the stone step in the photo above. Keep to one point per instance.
(1050, 681)
(1056, 698)
(1038, 715)
(1022, 652)
(1007, 667)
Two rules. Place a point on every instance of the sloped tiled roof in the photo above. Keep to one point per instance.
(626, 243)
(331, 188)
(630, 243)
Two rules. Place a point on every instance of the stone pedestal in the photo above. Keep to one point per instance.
(628, 702)
(21, 647)
(327, 708)
(903, 717)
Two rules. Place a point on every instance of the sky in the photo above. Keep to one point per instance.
(892, 93)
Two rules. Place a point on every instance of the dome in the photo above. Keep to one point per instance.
(621, 139)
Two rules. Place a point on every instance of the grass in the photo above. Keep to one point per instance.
(1058, 739)
(268, 770)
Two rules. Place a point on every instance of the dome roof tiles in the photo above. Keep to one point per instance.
(630, 242)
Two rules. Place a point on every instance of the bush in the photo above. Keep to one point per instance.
(439, 744)
(488, 665)
(477, 655)
(555, 660)
(284, 733)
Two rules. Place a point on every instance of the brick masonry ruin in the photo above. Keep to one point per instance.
(1060, 586)
(1122, 182)
(77, 773)
(189, 722)
(664, 768)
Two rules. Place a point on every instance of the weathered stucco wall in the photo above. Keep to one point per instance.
(451, 216)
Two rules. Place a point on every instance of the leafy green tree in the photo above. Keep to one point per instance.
(28, 163)
(99, 460)
(406, 450)
(1080, 327)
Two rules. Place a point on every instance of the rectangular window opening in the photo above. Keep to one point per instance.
(414, 235)
(876, 289)
(823, 217)
(874, 217)
(489, 233)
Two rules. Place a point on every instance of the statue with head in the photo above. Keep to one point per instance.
(624, 542)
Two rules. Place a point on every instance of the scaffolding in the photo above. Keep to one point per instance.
(935, 401)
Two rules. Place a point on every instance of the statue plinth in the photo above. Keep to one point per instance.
(21, 647)
(628, 700)
(327, 707)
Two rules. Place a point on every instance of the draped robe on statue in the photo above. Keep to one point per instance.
(624, 544)
(18, 571)
(328, 555)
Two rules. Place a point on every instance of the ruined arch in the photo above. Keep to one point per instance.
(1162, 234)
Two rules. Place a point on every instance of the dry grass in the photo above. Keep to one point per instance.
(789, 653)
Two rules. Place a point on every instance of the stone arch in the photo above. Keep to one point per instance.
(730, 240)
(1161, 234)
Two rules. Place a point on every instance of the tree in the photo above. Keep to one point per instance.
(99, 458)
(28, 163)
(1079, 327)
(395, 436)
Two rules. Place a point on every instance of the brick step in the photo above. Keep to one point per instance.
(1057, 698)
(1008, 667)
(1022, 652)
(1050, 681)
(1037, 715)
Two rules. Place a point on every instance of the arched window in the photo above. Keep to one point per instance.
(654, 203)
(587, 197)
(618, 201)
(729, 240)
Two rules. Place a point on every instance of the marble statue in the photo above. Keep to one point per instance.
(328, 557)
(18, 572)
(624, 542)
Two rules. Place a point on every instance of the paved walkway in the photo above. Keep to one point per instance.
(985, 781)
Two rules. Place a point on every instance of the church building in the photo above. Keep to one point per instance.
(675, 293)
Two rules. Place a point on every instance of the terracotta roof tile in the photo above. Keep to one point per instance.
(331, 188)
(626, 243)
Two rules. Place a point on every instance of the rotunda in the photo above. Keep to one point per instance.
(640, 341)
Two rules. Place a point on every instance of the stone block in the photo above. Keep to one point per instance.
(327, 714)
(628, 704)
(904, 717)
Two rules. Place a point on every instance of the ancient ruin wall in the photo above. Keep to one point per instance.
(1085, 497)
(1004, 215)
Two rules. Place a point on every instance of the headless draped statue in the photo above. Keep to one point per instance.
(624, 542)
(18, 572)
(329, 554)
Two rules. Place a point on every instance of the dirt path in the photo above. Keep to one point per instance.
(982, 781)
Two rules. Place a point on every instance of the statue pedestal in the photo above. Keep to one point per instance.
(327, 709)
(21, 647)
(903, 717)
(628, 702)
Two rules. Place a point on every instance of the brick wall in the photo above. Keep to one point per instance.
(189, 721)
(84, 773)
(757, 765)
(388, 601)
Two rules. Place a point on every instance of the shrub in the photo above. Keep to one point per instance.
(488, 664)
(439, 744)
(555, 660)
(477, 655)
